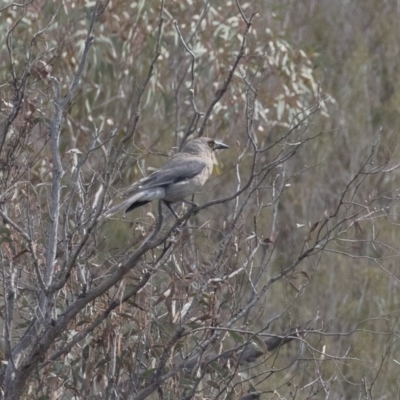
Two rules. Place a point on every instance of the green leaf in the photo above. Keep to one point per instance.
(238, 338)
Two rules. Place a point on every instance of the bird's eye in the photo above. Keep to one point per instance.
(211, 143)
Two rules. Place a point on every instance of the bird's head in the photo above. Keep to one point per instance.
(204, 144)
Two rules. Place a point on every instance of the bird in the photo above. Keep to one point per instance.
(182, 176)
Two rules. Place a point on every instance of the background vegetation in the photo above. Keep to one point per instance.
(283, 283)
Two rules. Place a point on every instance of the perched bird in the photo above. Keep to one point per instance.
(182, 176)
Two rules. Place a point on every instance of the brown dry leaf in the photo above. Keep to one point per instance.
(358, 231)
(314, 226)
(304, 273)
(295, 288)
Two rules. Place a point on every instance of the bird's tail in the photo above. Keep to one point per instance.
(136, 199)
(123, 205)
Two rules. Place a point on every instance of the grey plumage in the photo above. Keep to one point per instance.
(182, 176)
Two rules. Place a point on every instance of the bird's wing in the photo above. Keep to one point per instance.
(178, 169)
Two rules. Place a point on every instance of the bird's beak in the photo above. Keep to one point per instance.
(220, 145)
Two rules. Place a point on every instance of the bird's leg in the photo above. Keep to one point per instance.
(168, 204)
(192, 203)
(178, 229)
